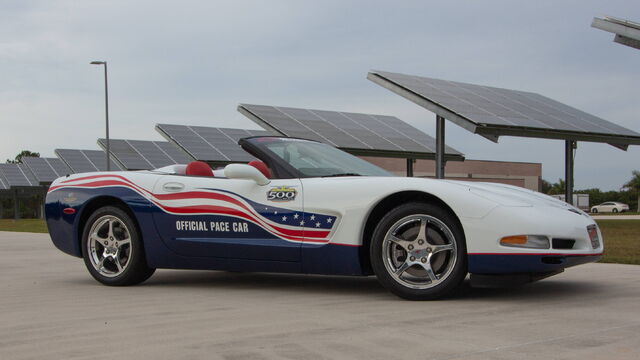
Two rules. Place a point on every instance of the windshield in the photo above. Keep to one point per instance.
(314, 159)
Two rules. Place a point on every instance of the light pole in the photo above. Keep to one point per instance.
(106, 108)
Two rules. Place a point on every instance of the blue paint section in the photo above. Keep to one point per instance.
(60, 225)
(523, 263)
(255, 250)
(286, 216)
(331, 259)
(216, 238)
(64, 228)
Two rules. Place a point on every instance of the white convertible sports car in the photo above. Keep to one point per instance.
(306, 207)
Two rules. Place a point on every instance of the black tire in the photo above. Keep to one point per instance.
(446, 278)
(105, 222)
(614, 210)
(595, 211)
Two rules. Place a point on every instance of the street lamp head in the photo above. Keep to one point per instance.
(98, 62)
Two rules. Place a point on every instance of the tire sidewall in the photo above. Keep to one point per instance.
(456, 276)
(137, 262)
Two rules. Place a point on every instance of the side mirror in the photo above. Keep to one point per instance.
(244, 171)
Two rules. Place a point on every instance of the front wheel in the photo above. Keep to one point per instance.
(112, 248)
(418, 252)
(595, 211)
(614, 210)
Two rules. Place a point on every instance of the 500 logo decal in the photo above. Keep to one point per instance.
(282, 193)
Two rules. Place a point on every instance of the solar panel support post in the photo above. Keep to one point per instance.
(1, 208)
(16, 205)
(568, 170)
(410, 163)
(440, 162)
(42, 202)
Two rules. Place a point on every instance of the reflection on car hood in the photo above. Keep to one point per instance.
(509, 195)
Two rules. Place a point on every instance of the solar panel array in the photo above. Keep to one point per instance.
(17, 175)
(144, 155)
(210, 143)
(488, 108)
(346, 130)
(45, 170)
(81, 161)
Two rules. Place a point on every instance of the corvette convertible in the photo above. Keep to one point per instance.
(307, 207)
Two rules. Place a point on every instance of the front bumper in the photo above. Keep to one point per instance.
(526, 263)
(487, 256)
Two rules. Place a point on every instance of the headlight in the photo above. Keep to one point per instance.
(526, 241)
(593, 236)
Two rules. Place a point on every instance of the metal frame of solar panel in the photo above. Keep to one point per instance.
(81, 161)
(211, 144)
(46, 170)
(356, 133)
(144, 154)
(626, 32)
(492, 112)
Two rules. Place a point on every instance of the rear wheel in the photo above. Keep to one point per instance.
(112, 248)
(418, 252)
(595, 211)
(615, 210)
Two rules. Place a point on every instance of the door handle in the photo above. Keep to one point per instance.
(173, 187)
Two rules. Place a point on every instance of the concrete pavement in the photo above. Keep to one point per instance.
(51, 308)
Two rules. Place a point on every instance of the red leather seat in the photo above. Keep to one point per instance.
(198, 168)
(262, 167)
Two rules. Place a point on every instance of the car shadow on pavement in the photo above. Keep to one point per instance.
(363, 286)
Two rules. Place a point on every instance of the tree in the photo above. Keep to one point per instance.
(557, 188)
(23, 153)
(633, 185)
(545, 186)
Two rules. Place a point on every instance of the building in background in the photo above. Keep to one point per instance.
(524, 174)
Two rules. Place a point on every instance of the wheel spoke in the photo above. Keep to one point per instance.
(440, 248)
(427, 267)
(123, 242)
(402, 268)
(396, 240)
(422, 234)
(100, 265)
(110, 235)
(117, 261)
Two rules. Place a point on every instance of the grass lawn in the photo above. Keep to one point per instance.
(621, 237)
(23, 225)
(622, 213)
(621, 241)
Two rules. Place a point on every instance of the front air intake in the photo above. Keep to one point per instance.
(564, 244)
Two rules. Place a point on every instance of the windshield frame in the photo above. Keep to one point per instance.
(281, 168)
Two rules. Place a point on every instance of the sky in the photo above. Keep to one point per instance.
(193, 62)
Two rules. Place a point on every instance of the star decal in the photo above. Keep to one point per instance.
(313, 217)
(295, 216)
(284, 218)
(301, 222)
(318, 224)
(329, 220)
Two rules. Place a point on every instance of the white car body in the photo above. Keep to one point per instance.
(246, 219)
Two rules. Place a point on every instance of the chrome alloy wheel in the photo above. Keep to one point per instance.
(109, 245)
(419, 251)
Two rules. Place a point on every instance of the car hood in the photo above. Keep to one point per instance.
(509, 195)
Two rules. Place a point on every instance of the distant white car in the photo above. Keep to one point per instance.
(610, 206)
